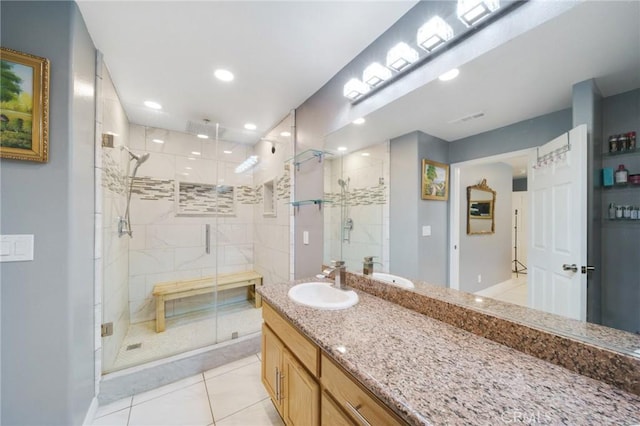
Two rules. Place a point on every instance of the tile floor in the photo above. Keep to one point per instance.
(512, 291)
(225, 396)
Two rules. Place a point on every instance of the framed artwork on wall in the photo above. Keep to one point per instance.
(435, 180)
(24, 106)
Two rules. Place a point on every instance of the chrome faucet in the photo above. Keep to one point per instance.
(340, 273)
(367, 265)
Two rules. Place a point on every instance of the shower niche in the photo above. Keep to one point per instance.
(203, 199)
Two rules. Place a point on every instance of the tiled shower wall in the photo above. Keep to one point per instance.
(112, 258)
(367, 206)
(271, 231)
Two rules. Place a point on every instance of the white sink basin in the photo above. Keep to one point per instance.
(393, 279)
(322, 296)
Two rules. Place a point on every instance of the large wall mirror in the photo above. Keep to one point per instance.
(496, 91)
(480, 202)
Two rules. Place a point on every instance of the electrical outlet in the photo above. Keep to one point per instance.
(479, 278)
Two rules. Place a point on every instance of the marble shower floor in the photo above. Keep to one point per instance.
(225, 396)
(187, 332)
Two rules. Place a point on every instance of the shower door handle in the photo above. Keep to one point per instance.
(207, 238)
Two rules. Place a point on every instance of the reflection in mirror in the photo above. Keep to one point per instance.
(480, 201)
(505, 125)
(355, 185)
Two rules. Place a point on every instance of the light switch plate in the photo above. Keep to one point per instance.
(305, 237)
(16, 248)
(426, 231)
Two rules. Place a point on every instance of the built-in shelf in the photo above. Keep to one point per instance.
(307, 155)
(621, 153)
(619, 186)
(318, 202)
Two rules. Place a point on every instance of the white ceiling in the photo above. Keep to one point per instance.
(526, 77)
(280, 52)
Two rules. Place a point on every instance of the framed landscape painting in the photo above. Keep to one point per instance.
(24, 106)
(435, 180)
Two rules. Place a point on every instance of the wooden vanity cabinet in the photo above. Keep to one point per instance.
(294, 371)
(295, 392)
(360, 405)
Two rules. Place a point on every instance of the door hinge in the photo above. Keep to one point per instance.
(586, 269)
(106, 329)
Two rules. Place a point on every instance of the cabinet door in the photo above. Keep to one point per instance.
(272, 361)
(301, 394)
(331, 414)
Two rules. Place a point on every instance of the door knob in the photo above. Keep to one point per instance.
(573, 267)
(586, 269)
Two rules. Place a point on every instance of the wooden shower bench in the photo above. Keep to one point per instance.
(178, 289)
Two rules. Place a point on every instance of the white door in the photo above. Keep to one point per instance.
(557, 246)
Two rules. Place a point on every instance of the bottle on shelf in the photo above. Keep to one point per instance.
(622, 175)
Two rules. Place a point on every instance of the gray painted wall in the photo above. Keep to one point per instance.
(587, 109)
(486, 255)
(433, 251)
(518, 136)
(410, 254)
(47, 304)
(620, 254)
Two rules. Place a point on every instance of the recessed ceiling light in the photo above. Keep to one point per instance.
(359, 121)
(250, 126)
(342, 148)
(188, 168)
(203, 136)
(228, 152)
(450, 75)
(190, 158)
(285, 134)
(195, 152)
(152, 105)
(223, 75)
(157, 141)
(365, 154)
(185, 174)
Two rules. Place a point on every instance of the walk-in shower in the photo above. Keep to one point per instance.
(347, 222)
(124, 222)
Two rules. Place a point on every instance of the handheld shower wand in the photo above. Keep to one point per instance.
(124, 224)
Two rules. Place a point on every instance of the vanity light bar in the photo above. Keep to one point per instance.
(375, 74)
(434, 34)
(430, 36)
(401, 56)
(471, 12)
(355, 89)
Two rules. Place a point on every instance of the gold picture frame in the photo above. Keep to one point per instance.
(24, 106)
(435, 180)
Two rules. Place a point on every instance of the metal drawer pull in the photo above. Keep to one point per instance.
(573, 267)
(277, 384)
(359, 416)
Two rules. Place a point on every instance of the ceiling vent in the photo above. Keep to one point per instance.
(466, 118)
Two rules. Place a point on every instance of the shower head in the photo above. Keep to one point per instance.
(139, 158)
(343, 183)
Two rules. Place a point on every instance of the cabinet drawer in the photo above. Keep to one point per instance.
(331, 414)
(307, 352)
(363, 407)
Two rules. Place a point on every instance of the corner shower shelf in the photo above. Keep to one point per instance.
(307, 155)
(318, 202)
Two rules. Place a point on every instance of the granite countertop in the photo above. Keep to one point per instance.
(430, 372)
